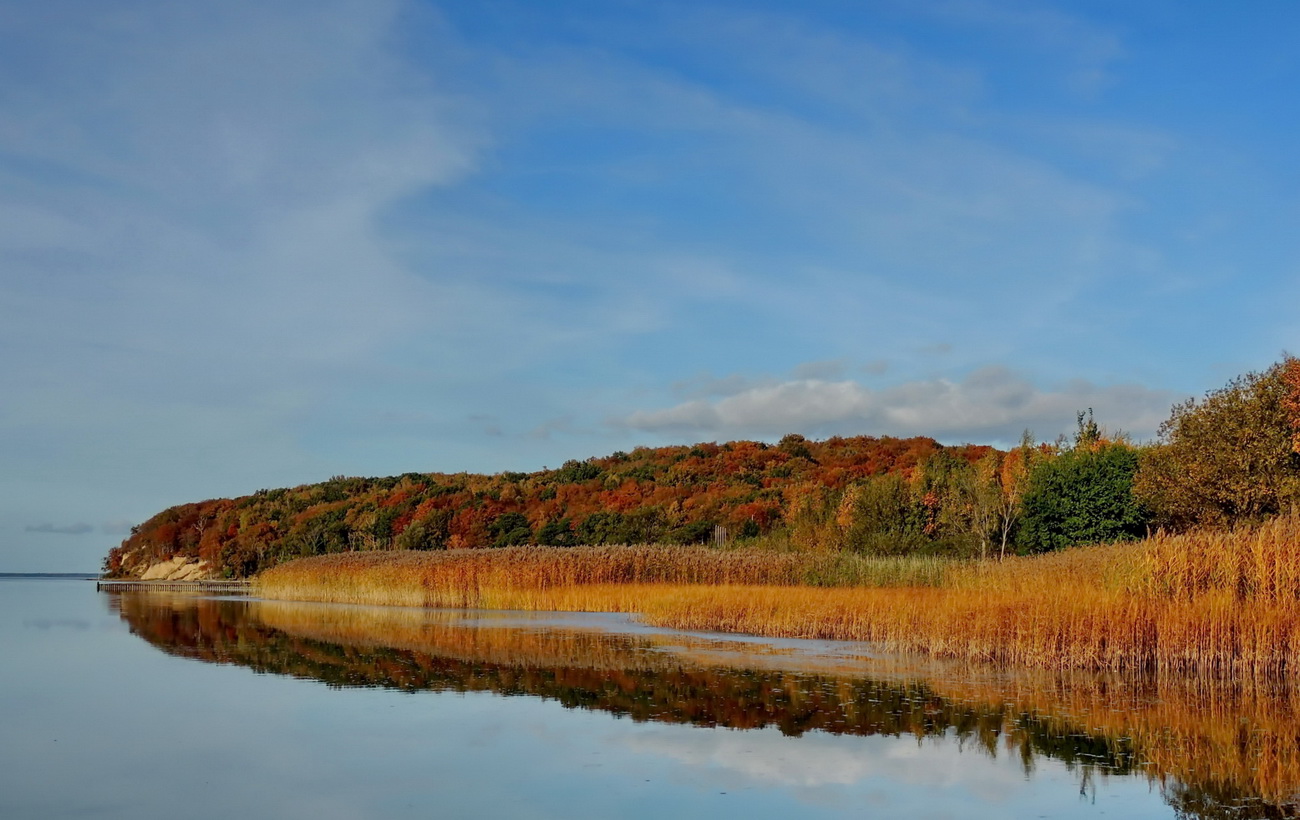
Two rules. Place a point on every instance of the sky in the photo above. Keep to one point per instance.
(247, 245)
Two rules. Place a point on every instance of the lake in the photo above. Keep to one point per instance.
(151, 705)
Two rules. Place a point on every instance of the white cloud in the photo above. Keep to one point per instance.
(992, 403)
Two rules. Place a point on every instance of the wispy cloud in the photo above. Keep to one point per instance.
(1088, 50)
(66, 529)
(193, 238)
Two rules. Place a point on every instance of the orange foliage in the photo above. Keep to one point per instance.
(677, 493)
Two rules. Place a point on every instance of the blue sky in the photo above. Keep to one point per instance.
(248, 245)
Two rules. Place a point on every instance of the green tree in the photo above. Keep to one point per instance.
(576, 472)
(1082, 496)
(795, 445)
(325, 533)
(604, 527)
(382, 528)
(510, 529)
(644, 525)
(557, 532)
(690, 532)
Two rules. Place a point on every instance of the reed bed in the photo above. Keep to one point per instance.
(475, 578)
(1055, 628)
(1221, 604)
(1256, 564)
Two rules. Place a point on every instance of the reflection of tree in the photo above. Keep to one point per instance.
(1218, 801)
(1096, 727)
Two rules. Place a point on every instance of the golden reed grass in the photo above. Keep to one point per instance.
(471, 578)
(1225, 605)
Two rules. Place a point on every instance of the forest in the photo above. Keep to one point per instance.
(1228, 459)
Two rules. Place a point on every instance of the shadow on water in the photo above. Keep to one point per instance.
(1213, 752)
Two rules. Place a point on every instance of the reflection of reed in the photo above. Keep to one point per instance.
(460, 635)
(1222, 739)
(1244, 737)
(1206, 744)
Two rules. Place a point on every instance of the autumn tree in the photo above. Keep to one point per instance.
(948, 490)
(880, 516)
(648, 495)
(1003, 478)
(1231, 457)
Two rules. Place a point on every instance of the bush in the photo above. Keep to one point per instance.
(1083, 496)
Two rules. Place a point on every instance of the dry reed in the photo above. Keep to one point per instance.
(1220, 604)
(470, 578)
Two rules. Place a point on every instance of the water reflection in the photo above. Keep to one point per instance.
(1212, 752)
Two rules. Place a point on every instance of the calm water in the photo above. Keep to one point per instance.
(141, 705)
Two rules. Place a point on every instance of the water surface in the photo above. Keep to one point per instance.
(147, 705)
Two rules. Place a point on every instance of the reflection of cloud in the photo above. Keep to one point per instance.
(766, 757)
(991, 402)
(66, 529)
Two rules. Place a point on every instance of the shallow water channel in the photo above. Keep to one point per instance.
(149, 705)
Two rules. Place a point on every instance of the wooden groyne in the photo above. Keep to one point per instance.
(209, 587)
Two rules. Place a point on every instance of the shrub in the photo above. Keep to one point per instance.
(1083, 496)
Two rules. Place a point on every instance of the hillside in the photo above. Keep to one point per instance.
(652, 495)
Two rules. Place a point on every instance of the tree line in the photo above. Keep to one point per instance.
(1229, 458)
